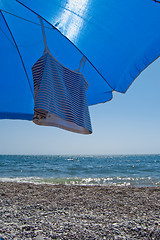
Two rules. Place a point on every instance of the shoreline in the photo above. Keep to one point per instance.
(87, 181)
(44, 211)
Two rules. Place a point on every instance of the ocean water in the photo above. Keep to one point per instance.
(126, 170)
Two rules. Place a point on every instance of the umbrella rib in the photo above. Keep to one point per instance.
(69, 41)
(18, 53)
(24, 18)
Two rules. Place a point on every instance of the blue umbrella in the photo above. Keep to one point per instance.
(119, 39)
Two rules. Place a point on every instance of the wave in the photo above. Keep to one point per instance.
(109, 181)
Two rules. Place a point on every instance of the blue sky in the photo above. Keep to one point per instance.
(129, 124)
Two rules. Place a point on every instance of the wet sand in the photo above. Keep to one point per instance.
(29, 211)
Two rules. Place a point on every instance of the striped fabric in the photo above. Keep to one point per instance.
(60, 96)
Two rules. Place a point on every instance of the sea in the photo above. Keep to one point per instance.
(104, 170)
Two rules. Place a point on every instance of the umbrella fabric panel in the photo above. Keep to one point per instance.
(60, 96)
(15, 95)
(120, 38)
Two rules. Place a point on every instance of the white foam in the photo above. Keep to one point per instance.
(19, 179)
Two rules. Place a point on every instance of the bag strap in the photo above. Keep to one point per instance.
(82, 64)
(44, 35)
(83, 59)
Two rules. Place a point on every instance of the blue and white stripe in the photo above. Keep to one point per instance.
(60, 96)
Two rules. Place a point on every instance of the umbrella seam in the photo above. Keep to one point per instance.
(156, 1)
(18, 53)
(7, 36)
(25, 19)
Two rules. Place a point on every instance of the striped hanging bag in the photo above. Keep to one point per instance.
(60, 94)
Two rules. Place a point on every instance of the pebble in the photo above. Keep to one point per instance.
(41, 212)
(39, 237)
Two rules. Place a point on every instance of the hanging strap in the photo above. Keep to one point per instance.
(43, 33)
(81, 64)
(83, 59)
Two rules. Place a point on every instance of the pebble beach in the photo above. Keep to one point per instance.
(30, 211)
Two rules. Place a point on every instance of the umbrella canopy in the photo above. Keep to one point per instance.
(118, 38)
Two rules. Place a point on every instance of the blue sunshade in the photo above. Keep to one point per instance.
(118, 38)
